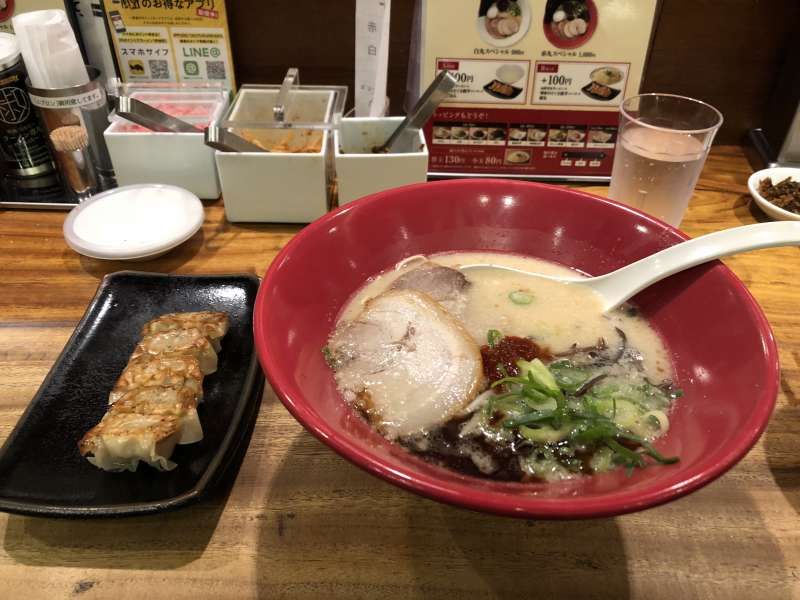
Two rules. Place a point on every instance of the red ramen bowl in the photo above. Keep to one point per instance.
(723, 350)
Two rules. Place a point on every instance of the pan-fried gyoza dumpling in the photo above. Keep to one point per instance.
(155, 369)
(121, 440)
(189, 342)
(213, 325)
(406, 362)
(163, 400)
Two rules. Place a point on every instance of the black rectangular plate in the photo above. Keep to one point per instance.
(614, 93)
(41, 471)
(516, 91)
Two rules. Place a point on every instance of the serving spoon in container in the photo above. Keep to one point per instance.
(436, 92)
(617, 287)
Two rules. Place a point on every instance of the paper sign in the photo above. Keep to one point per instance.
(372, 56)
(177, 40)
(539, 82)
(92, 97)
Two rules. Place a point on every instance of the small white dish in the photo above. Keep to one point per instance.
(777, 174)
(133, 222)
(510, 74)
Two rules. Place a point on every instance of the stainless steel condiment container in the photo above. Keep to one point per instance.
(80, 150)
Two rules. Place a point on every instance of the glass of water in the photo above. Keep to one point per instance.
(662, 144)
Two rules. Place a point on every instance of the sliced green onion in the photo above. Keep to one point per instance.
(628, 457)
(520, 297)
(539, 375)
(602, 460)
(649, 449)
(493, 337)
(533, 417)
(544, 435)
(569, 377)
(327, 354)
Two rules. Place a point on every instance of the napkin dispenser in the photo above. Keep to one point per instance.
(275, 151)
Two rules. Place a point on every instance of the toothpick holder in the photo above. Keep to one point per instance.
(75, 118)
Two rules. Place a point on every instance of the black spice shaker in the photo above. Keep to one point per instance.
(24, 151)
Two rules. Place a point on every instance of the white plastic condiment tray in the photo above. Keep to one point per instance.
(134, 222)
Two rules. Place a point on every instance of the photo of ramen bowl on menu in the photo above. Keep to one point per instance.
(503, 23)
(576, 135)
(557, 135)
(502, 86)
(599, 88)
(517, 157)
(601, 136)
(537, 135)
(478, 133)
(516, 134)
(569, 23)
(441, 133)
(459, 133)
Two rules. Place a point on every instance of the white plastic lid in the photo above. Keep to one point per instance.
(9, 50)
(197, 107)
(133, 222)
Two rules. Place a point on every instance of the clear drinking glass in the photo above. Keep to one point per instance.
(662, 144)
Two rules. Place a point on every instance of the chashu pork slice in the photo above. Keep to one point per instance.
(406, 362)
(446, 285)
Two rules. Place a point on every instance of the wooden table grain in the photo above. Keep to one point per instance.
(301, 522)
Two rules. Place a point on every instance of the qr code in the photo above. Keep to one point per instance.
(159, 69)
(215, 69)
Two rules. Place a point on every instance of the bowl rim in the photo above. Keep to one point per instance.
(503, 503)
(763, 203)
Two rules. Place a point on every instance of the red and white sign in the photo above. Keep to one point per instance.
(539, 84)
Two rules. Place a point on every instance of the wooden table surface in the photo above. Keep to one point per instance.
(301, 522)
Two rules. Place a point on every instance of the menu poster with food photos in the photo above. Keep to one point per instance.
(166, 41)
(539, 86)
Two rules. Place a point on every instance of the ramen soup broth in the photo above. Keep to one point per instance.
(623, 362)
(559, 315)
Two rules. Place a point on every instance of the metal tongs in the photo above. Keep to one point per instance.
(290, 80)
(437, 91)
(147, 116)
(223, 140)
(157, 120)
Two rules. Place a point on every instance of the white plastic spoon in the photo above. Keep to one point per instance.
(618, 286)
